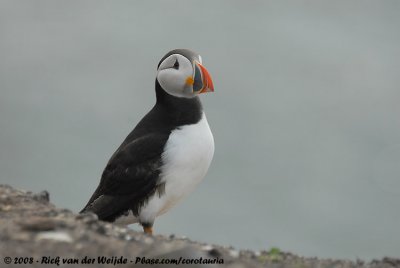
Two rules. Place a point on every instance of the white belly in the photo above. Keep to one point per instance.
(187, 157)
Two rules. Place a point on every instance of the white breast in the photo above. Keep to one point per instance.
(187, 157)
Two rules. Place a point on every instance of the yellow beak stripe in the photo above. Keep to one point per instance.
(189, 81)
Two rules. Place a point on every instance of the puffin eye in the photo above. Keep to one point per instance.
(176, 64)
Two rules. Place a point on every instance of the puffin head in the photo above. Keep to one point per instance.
(181, 74)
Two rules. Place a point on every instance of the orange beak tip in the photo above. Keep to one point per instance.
(207, 80)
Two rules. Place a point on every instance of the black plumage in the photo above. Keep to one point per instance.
(132, 174)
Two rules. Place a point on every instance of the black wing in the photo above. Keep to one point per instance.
(129, 179)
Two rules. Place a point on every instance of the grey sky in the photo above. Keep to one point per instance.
(305, 112)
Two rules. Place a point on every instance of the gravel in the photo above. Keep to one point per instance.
(34, 233)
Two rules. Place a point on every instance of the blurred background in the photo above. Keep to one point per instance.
(305, 113)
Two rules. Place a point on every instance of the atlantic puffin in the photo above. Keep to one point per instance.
(168, 152)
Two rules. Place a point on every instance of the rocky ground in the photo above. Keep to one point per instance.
(34, 233)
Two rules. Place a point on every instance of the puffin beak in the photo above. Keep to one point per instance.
(202, 81)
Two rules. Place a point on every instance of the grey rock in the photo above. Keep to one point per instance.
(43, 196)
(31, 226)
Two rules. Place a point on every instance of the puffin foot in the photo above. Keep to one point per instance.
(148, 230)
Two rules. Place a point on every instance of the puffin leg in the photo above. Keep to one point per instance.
(147, 228)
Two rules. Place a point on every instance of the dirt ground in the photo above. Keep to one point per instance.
(34, 233)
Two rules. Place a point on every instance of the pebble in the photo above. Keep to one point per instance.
(43, 196)
(57, 236)
(148, 240)
(234, 253)
(207, 247)
(35, 224)
(215, 253)
(128, 237)
(5, 208)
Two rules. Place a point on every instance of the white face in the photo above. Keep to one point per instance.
(174, 76)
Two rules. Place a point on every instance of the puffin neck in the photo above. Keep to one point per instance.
(184, 104)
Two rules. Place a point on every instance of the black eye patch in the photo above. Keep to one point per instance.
(198, 82)
(176, 64)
